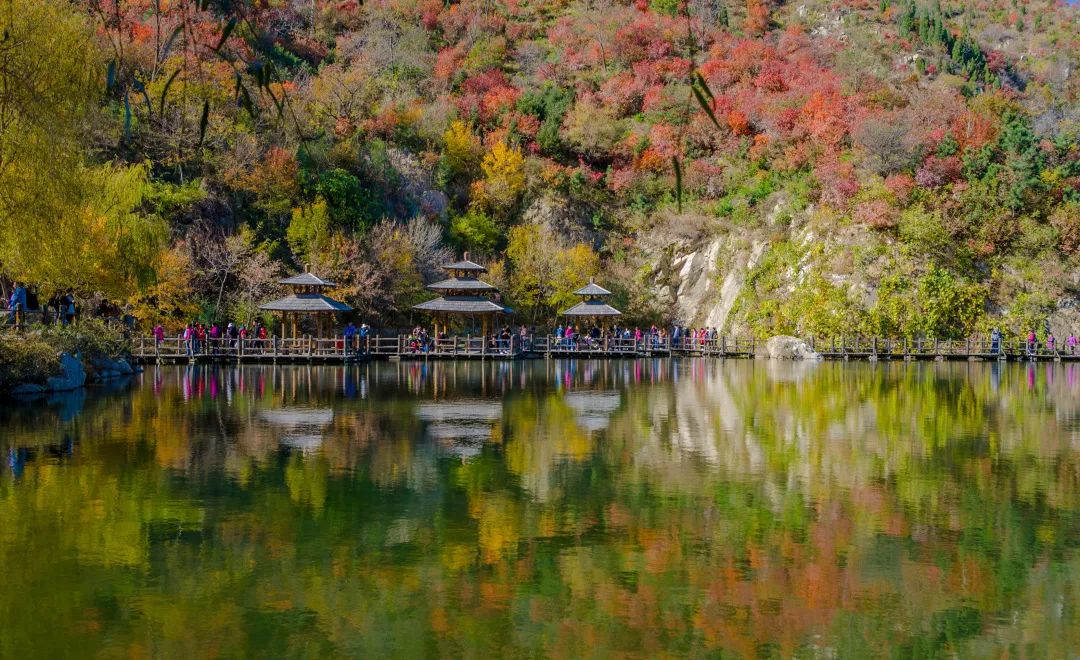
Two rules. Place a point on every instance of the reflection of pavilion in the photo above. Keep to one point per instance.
(302, 427)
(462, 426)
(593, 409)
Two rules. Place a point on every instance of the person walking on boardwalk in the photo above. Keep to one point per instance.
(1071, 342)
(995, 341)
(365, 332)
(505, 339)
(159, 335)
(1051, 343)
(189, 339)
(349, 334)
(1032, 343)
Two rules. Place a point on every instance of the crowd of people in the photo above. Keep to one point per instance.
(573, 337)
(419, 340)
(25, 306)
(1032, 345)
(228, 337)
(200, 340)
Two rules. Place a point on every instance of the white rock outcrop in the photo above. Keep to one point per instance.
(789, 348)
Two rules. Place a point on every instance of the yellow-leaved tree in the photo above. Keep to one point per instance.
(545, 270)
(461, 152)
(64, 222)
(504, 177)
(169, 300)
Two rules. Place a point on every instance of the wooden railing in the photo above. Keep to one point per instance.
(863, 347)
(177, 348)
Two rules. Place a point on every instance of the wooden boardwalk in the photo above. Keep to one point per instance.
(333, 350)
(933, 349)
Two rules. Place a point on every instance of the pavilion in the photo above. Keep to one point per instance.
(307, 301)
(593, 305)
(463, 295)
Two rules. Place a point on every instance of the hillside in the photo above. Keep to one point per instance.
(896, 168)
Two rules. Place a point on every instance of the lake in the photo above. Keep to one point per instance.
(544, 508)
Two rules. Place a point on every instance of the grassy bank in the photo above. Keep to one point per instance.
(32, 355)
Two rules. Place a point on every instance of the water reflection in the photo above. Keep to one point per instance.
(302, 428)
(644, 507)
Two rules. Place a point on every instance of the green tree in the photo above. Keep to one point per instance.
(309, 232)
(349, 204)
(475, 231)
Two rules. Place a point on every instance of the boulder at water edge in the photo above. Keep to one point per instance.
(28, 389)
(789, 348)
(72, 375)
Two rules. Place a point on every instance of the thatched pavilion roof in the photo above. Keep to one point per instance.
(463, 305)
(461, 284)
(588, 308)
(466, 265)
(592, 289)
(306, 279)
(306, 303)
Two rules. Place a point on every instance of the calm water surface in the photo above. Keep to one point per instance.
(559, 509)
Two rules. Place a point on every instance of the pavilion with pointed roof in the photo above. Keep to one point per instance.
(463, 295)
(593, 304)
(307, 300)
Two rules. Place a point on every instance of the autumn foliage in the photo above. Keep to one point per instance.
(481, 118)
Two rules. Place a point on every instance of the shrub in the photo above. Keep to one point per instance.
(1066, 220)
(93, 338)
(31, 357)
(25, 359)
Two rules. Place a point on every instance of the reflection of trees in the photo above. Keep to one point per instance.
(638, 507)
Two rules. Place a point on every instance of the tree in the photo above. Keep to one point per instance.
(256, 281)
(47, 93)
(429, 253)
(1066, 220)
(461, 153)
(504, 178)
(475, 231)
(309, 232)
(170, 299)
(63, 222)
(888, 143)
(594, 130)
(544, 271)
(757, 17)
(219, 259)
(348, 201)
